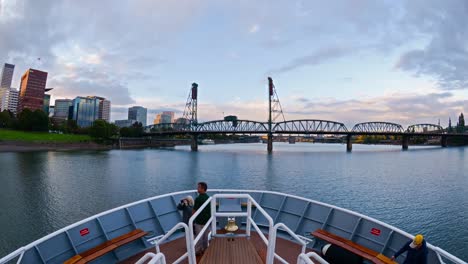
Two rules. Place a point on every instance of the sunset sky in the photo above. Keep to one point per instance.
(343, 60)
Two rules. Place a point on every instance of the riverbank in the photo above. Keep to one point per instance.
(18, 141)
(21, 146)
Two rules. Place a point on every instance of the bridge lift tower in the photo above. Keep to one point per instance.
(190, 114)
(275, 111)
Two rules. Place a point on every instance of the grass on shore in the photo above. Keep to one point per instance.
(15, 135)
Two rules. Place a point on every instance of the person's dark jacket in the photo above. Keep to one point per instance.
(414, 255)
(186, 211)
(205, 215)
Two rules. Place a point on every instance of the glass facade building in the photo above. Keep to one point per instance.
(7, 76)
(138, 113)
(63, 108)
(46, 103)
(85, 110)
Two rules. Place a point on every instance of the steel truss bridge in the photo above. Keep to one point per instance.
(296, 127)
(304, 127)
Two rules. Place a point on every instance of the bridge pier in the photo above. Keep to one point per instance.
(194, 143)
(270, 143)
(443, 141)
(405, 142)
(349, 144)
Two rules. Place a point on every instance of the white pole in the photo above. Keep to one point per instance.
(249, 216)
(213, 214)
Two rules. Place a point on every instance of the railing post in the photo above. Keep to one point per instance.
(213, 214)
(249, 215)
(271, 245)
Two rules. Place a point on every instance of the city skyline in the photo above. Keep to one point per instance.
(344, 61)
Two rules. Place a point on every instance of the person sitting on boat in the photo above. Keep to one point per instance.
(202, 218)
(417, 251)
(186, 206)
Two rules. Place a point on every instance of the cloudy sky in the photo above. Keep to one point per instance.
(344, 60)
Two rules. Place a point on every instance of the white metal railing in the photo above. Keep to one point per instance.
(292, 234)
(250, 222)
(153, 258)
(304, 258)
(194, 240)
(160, 239)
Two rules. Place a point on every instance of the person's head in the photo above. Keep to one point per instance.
(417, 241)
(202, 187)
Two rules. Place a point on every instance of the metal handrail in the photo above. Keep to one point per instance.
(154, 258)
(193, 240)
(304, 258)
(287, 229)
(158, 240)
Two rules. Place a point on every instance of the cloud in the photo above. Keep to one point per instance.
(444, 55)
(320, 56)
(405, 109)
(87, 47)
(254, 28)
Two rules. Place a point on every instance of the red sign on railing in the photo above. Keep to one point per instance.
(84, 231)
(375, 231)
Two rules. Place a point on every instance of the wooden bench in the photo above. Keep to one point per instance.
(349, 245)
(106, 247)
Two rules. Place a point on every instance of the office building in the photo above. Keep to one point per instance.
(5, 83)
(7, 76)
(164, 118)
(104, 109)
(31, 95)
(85, 110)
(63, 109)
(9, 100)
(171, 114)
(46, 105)
(125, 123)
(88, 109)
(138, 113)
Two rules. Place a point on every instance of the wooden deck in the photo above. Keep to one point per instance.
(230, 251)
(176, 248)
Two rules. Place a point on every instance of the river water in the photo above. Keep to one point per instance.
(422, 190)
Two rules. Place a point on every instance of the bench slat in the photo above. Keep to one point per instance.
(106, 247)
(351, 246)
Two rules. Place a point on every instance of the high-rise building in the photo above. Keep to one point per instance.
(88, 109)
(5, 83)
(85, 110)
(138, 113)
(7, 76)
(46, 105)
(104, 109)
(171, 114)
(164, 118)
(31, 95)
(63, 108)
(9, 100)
